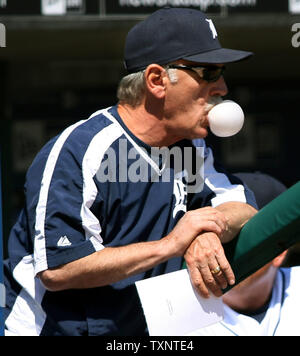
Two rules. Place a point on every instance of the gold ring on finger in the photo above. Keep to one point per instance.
(216, 270)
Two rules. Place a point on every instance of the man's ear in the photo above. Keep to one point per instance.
(155, 80)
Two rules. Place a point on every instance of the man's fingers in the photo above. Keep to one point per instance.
(197, 282)
(218, 275)
(209, 214)
(210, 281)
(208, 265)
(219, 259)
(211, 226)
(226, 269)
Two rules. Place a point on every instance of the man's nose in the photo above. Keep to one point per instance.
(219, 87)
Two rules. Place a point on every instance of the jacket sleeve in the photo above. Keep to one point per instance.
(66, 229)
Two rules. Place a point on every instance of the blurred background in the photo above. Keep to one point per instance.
(62, 61)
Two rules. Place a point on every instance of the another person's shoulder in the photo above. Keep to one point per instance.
(291, 278)
(294, 271)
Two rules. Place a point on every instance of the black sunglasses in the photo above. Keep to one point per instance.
(208, 73)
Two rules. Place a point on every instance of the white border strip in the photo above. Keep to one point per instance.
(2, 295)
(90, 165)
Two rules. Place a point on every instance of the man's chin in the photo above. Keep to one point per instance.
(201, 133)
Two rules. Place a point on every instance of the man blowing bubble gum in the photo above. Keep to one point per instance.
(80, 244)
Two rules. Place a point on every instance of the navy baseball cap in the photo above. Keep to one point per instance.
(170, 34)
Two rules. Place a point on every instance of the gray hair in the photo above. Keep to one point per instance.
(131, 89)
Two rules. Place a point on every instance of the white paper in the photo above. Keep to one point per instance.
(173, 308)
(54, 7)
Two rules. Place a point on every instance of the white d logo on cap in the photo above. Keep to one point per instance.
(212, 28)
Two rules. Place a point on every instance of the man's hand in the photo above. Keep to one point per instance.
(192, 224)
(208, 267)
(205, 258)
(197, 236)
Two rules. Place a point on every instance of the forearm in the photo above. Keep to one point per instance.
(107, 266)
(237, 215)
(113, 264)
